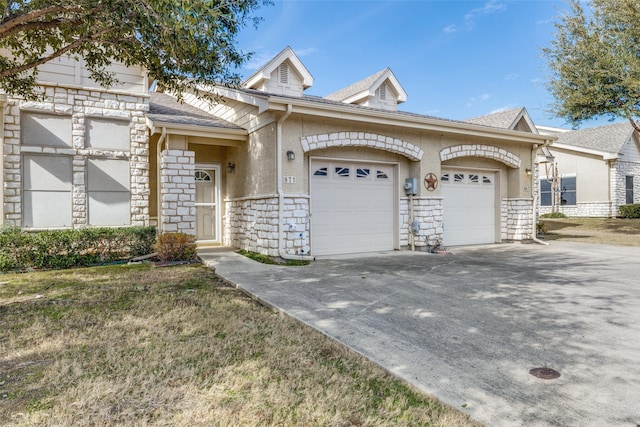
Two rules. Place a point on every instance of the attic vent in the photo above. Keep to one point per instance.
(381, 93)
(284, 73)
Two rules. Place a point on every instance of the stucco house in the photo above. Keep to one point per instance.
(598, 170)
(287, 174)
(268, 168)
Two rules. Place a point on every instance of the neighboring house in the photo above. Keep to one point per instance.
(79, 156)
(598, 170)
(268, 168)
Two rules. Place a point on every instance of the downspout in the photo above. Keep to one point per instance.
(281, 252)
(163, 136)
(534, 213)
(3, 103)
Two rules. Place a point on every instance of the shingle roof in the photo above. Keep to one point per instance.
(610, 138)
(355, 88)
(165, 108)
(502, 119)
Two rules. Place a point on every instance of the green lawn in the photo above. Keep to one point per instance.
(135, 345)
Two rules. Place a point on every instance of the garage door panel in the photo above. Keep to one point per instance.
(352, 208)
(469, 207)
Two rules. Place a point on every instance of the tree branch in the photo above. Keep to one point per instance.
(635, 125)
(33, 16)
(39, 25)
(56, 54)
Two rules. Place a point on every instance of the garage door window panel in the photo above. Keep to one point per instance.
(47, 187)
(108, 186)
(342, 172)
(363, 173)
(321, 172)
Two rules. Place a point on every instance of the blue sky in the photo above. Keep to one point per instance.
(456, 59)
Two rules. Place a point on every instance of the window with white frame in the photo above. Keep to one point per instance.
(628, 189)
(567, 191)
(107, 134)
(45, 130)
(546, 194)
(46, 188)
(108, 187)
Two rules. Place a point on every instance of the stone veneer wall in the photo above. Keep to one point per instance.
(592, 209)
(251, 223)
(428, 212)
(177, 174)
(79, 103)
(516, 219)
(622, 169)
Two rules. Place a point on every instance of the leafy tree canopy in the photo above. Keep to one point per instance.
(181, 43)
(595, 61)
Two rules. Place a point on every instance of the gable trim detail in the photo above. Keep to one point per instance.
(361, 139)
(477, 150)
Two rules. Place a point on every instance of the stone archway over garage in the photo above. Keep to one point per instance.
(361, 139)
(477, 150)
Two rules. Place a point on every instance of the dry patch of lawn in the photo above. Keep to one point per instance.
(613, 231)
(134, 345)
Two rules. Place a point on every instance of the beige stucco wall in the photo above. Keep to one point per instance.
(515, 182)
(255, 172)
(592, 174)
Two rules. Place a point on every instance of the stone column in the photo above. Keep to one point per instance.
(178, 192)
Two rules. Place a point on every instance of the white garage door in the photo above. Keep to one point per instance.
(469, 207)
(352, 207)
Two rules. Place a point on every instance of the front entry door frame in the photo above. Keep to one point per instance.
(215, 168)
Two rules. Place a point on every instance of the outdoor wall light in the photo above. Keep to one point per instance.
(291, 155)
(231, 167)
(527, 171)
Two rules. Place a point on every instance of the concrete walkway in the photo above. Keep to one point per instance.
(468, 327)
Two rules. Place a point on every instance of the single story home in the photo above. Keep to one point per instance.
(267, 168)
(597, 171)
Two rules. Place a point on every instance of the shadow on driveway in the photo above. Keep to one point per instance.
(468, 327)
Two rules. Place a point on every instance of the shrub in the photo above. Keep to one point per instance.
(554, 215)
(630, 211)
(176, 247)
(71, 248)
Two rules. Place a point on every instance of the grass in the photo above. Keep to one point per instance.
(266, 259)
(135, 345)
(614, 231)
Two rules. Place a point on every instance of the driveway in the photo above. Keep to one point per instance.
(468, 327)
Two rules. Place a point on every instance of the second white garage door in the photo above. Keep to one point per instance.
(352, 207)
(469, 207)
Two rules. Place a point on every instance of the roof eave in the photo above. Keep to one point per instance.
(606, 155)
(394, 119)
(155, 126)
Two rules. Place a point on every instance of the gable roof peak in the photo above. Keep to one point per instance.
(513, 119)
(264, 73)
(366, 87)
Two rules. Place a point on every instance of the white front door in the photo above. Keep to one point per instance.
(207, 214)
(469, 205)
